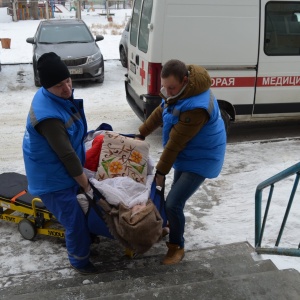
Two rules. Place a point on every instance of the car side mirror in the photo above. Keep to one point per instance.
(99, 37)
(30, 40)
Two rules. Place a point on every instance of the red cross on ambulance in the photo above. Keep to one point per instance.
(142, 73)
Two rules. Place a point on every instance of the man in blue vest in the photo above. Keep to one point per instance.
(194, 141)
(54, 153)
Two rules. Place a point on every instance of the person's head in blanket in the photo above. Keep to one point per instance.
(54, 75)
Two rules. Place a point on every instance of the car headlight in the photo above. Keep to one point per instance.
(95, 57)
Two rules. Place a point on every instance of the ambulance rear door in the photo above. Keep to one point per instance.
(278, 77)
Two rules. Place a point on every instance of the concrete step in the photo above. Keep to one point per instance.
(147, 273)
(111, 258)
(271, 285)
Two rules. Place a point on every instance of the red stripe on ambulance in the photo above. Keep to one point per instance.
(276, 81)
(222, 82)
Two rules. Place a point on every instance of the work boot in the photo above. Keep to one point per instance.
(88, 269)
(174, 255)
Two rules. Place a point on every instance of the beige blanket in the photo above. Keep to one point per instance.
(136, 231)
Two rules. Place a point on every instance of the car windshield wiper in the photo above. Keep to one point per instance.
(72, 42)
(45, 43)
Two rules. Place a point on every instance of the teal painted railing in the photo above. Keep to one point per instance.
(260, 224)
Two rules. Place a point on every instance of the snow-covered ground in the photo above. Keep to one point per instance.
(221, 212)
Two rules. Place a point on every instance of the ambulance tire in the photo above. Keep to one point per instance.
(123, 57)
(226, 119)
(27, 229)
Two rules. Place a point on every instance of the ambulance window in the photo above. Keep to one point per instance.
(135, 22)
(145, 21)
(282, 28)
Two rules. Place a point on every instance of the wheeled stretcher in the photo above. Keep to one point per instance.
(19, 206)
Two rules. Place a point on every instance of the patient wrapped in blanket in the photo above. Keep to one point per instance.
(124, 178)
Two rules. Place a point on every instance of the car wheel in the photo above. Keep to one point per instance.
(37, 82)
(123, 57)
(100, 80)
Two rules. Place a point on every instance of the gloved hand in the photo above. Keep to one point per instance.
(83, 202)
(90, 193)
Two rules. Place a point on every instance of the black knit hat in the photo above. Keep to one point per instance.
(52, 70)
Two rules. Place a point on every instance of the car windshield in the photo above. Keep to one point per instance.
(65, 34)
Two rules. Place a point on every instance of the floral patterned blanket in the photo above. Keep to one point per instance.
(123, 156)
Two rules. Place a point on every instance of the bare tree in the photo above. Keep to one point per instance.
(34, 9)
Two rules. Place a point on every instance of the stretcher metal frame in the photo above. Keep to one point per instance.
(33, 217)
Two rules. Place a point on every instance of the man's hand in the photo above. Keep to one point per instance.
(139, 137)
(87, 188)
(160, 180)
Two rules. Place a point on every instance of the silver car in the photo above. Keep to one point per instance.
(72, 40)
(123, 45)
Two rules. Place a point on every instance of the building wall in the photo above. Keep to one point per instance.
(4, 3)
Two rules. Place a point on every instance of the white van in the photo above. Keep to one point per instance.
(251, 49)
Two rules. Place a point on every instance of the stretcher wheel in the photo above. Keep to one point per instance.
(27, 229)
(129, 253)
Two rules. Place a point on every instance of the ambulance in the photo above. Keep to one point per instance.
(251, 49)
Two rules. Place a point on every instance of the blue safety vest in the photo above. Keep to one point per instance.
(45, 172)
(204, 153)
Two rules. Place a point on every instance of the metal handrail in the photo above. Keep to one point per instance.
(260, 225)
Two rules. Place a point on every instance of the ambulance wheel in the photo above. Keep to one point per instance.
(123, 57)
(226, 120)
(27, 229)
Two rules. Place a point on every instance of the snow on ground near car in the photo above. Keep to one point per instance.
(221, 212)
(21, 52)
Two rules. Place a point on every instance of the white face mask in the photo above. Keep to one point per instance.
(164, 92)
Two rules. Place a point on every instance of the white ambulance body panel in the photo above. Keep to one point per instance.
(203, 32)
(251, 49)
